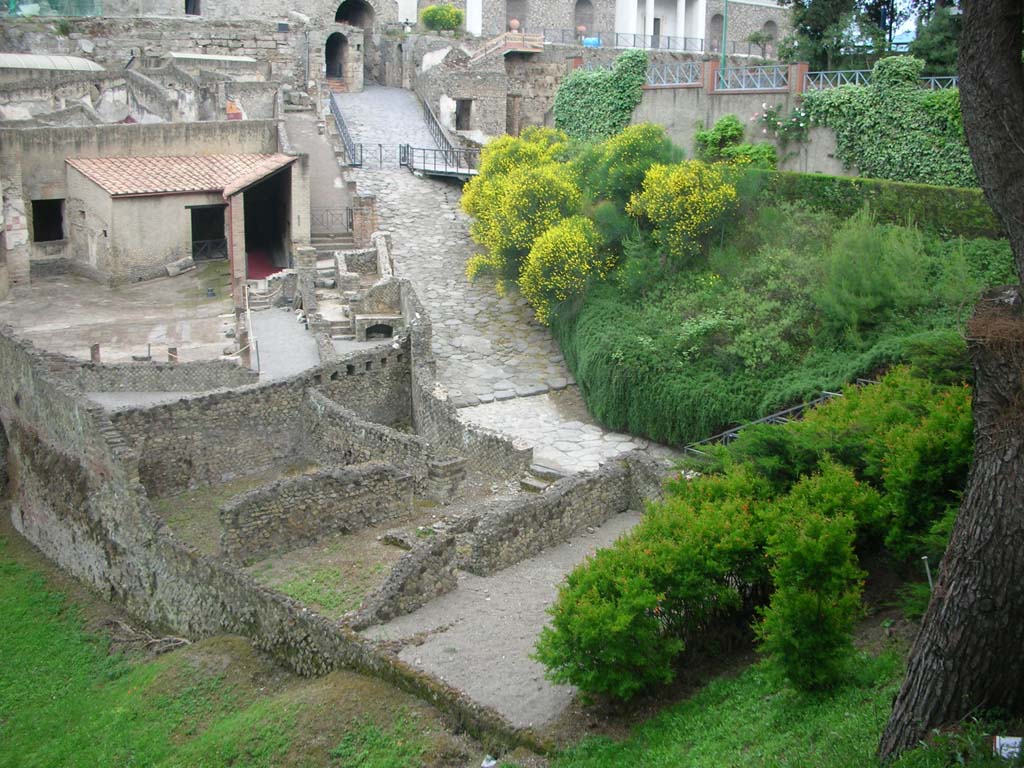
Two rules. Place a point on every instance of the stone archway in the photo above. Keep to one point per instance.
(357, 13)
(336, 55)
(584, 16)
(518, 10)
(715, 32)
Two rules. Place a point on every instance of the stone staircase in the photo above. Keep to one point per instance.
(538, 478)
(337, 85)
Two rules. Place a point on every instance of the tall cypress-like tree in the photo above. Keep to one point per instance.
(969, 654)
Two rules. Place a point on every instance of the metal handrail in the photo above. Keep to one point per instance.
(327, 220)
(351, 157)
(680, 73)
(455, 162)
(940, 83)
(767, 78)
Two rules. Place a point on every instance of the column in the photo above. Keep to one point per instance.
(649, 17)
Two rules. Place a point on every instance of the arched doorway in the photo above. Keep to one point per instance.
(584, 16)
(715, 32)
(358, 13)
(379, 331)
(516, 9)
(335, 53)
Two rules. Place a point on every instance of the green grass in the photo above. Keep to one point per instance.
(755, 720)
(65, 701)
(332, 590)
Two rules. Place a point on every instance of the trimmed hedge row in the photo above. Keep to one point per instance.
(947, 211)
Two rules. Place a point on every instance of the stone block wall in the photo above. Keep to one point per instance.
(196, 376)
(299, 511)
(375, 384)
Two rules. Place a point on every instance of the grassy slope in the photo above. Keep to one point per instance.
(65, 701)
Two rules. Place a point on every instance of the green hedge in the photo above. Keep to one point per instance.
(946, 211)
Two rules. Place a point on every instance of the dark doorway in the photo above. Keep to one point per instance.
(47, 220)
(358, 13)
(379, 331)
(335, 52)
(267, 225)
(463, 114)
(191, 7)
(655, 33)
(208, 241)
(584, 15)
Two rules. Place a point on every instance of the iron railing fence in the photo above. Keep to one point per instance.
(204, 250)
(940, 83)
(768, 78)
(352, 158)
(820, 81)
(680, 73)
(330, 220)
(451, 162)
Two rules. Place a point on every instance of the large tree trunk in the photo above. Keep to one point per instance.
(969, 654)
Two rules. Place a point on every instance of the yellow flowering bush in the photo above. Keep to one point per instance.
(682, 202)
(560, 263)
(514, 210)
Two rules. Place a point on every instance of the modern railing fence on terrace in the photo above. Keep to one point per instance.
(820, 81)
(769, 78)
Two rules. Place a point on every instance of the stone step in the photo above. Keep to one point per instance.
(343, 337)
(541, 472)
(533, 485)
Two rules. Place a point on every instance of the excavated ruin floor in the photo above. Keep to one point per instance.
(479, 638)
(68, 314)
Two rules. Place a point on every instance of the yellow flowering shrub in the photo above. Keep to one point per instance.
(560, 263)
(513, 210)
(682, 203)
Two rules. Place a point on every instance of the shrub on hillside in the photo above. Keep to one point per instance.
(681, 203)
(442, 17)
(615, 168)
(561, 263)
(808, 625)
(724, 141)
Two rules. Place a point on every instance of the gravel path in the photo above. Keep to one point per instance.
(479, 638)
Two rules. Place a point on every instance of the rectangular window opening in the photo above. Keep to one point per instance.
(463, 114)
(192, 8)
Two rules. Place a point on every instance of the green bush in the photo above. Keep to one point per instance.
(598, 103)
(442, 17)
(808, 625)
(891, 129)
(614, 169)
(724, 142)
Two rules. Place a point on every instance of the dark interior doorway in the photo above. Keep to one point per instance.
(358, 13)
(47, 220)
(208, 240)
(335, 53)
(267, 225)
(463, 114)
(379, 331)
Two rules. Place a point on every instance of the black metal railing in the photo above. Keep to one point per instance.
(330, 220)
(204, 250)
(447, 162)
(352, 158)
(437, 133)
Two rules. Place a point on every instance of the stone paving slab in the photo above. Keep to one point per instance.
(479, 638)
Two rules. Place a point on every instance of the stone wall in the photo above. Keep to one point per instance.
(299, 511)
(487, 453)
(206, 439)
(195, 376)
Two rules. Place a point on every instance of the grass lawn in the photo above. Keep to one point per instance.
(65, 700)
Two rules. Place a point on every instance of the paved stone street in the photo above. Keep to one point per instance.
(488, 348)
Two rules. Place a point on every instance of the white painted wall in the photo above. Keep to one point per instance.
(666, 11)
(625, 16)
(475, 17)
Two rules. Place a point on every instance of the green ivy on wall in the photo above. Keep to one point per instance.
(894, 129)
(598, 103)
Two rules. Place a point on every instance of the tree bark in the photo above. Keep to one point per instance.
(969, 654)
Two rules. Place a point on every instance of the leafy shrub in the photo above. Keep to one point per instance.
(891, 128)
(598, 103)
(724, 140)
(442, 17)
(682, 203)
(615, 168)
(808, 625)
(563, 259)
(623, 617)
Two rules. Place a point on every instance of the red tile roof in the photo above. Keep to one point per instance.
(170, 175)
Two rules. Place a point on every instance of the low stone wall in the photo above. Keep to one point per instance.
(505, 535)
(195, 376)
(299, 511)
(338, 436)
(423, 574)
